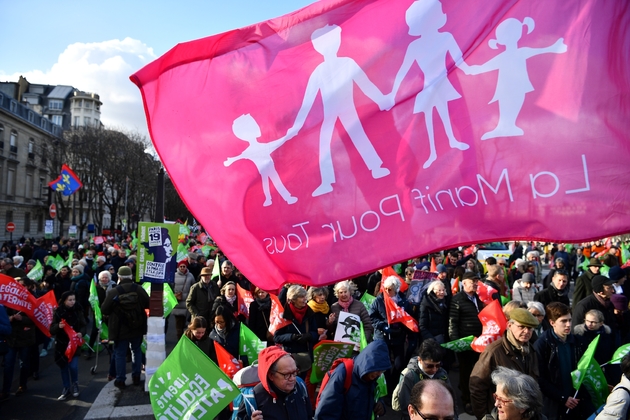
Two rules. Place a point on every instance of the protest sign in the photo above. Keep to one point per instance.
(324, 354)
(157, 261)
(348, 329)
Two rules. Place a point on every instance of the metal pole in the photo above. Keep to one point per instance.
(126, 195)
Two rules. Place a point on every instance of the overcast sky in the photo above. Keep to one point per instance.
(96, 46)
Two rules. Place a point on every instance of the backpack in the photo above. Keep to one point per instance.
(129, 307)
(395, 396)
(349, 365)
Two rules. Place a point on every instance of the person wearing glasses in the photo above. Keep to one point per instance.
(432, 399)
(513, 351)
(517, 397)
(427, 365)
(592, 327)
(183, 281)
(280, 395)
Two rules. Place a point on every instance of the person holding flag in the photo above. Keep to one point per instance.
(199, 334)
(259, 313)
(68, 313)
(344, 292)
(558, 354)
(393, 333)
(618, 402)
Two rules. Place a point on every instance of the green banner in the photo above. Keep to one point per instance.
(157, 261)
(168, 298)
(68, 262)
(182, 252)
(324, 354)
(620, 353)
(367, 300)
(589, 374)
(56, 262)
(98, 317)
(37, 272)
(188, 385)
(460, 345)
(249, 344)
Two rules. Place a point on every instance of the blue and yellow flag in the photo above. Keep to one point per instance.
(67, 183)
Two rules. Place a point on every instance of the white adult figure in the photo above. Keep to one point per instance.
(335, 79)
(513, 81)
(247, 129)
(425, 18)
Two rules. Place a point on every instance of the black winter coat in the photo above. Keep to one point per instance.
(75, 318)
(259, 318)
(287, 335)
(118, 328)
(463, 317)
(434, 318)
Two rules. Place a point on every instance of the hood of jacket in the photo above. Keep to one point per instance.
(266, 358)
(373, 358)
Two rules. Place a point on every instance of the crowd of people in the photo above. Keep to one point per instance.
(551, 319)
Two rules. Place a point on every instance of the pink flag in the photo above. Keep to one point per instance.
(397, 314)
(494, 324)
(276, 320)
(353, 134)
(245, 298)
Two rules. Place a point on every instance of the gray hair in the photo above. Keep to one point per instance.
(101, 258)
(433, 285)
(532, 253)
(345, 284)
(105, 273)
(312, 292)
(18, 259)
(392, 281)
(594, 312)
(538, 306)
(295, 292)
(521, 388)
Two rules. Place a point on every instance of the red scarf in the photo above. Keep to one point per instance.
(298, 313)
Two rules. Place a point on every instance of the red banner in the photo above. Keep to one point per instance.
(228, 363)
(276, 320)
(245, 298)
(485, 292)
(389, 271)
(393, 128)
(397, 314)
(494, 324)
(75, 342)
(15, 296)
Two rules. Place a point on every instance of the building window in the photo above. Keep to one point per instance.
(78, 103)
(77, 121)
(57, 119)
(31, 116)
(40, 223)
(13, 106)
(9, 216)
(88, 104)
(41, 188)
(13, 141)
(28, 188)
(10, 182)
(86, 121)
(27, 222)
(55, 104)
(44, 153)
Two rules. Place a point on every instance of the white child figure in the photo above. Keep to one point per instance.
(513, 80)
(246, 129)
(425, 19)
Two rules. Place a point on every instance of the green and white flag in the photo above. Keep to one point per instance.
(182, 252)
(620, 354)
(168, 298)
(68, 262)
(188, 385)
(363, 343)
(98, 316)
(367, 300)
(36, 272)
(206, 250)
(381, 389)
(249, 344)
(324, 354)
(216, 269)
(460, 345)
(56, 262)
(589, 374)
(604, 270)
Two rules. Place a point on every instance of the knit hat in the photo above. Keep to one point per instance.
(620, 302)
(441, 268)
(183, 262)
(528, 278)
(616, 273)
(266, 358)
(79, 268)
(523, 317)
(599, 281)
(124, 271)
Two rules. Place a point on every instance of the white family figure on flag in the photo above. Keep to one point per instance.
(513, 80)
(335, 79)
(425, 19)
(247, 129)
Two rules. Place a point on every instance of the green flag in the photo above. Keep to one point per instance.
(363, 344)
(584, 265)
(460, 345)
(183, 229)
(620, 353)
(625, 253)
(249, 344)
(68, 262)
(324, 354)
(504, 300)
(189, 385)
(604, 270)
(381, 389)
(182, 252)
(216, 270)
(367, 300)
(98, 317)
(206, 250)
(169, 301)
(589, 374)
(36, 272)
(134, 240)
(56, 262)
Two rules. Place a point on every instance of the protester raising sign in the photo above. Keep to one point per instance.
(189, 385)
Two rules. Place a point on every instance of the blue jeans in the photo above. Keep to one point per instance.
(120, 351)
(9, 367)
(70, 374)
